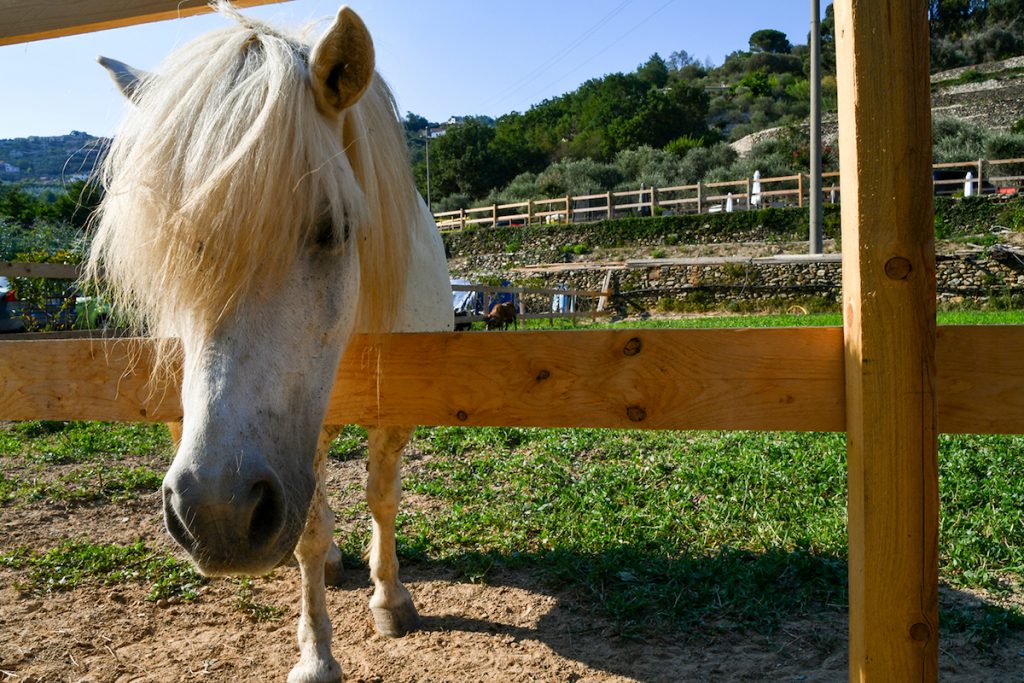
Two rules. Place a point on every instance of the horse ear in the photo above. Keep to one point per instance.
(127, 78)
(341, 65)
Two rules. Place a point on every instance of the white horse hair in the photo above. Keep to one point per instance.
(259, 207)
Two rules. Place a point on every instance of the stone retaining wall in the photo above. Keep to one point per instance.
(976, 276)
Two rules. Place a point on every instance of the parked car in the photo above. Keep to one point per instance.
(465, 304)
(949, 181)
(7, 307)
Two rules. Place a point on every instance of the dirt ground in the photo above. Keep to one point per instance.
(513, 629)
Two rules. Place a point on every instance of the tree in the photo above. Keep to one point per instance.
(828, 42)
(79, 202)
(19, 205)
(414, 123)
(681, 59)
(953, 18)
(654, 71)
(769, 40)
(464, 160)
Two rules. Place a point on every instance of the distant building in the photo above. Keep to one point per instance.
(8, 168)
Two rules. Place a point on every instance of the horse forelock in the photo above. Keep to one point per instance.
(223, 170)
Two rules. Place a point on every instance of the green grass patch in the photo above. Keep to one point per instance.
(683, 529)
(248, 603)
(652, 528)
(58, 443)
(80, 562)
(81, 484)
(349, 444)
(951, 317)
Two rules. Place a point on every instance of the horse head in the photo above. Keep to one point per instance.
(234, 219)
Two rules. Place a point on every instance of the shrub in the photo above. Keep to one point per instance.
(957, 140)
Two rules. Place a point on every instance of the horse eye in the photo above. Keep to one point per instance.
(326, 236)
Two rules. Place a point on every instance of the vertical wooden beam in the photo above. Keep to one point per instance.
(889, 322)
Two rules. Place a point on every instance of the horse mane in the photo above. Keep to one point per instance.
(223, 172)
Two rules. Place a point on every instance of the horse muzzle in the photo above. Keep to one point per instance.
(239, 524)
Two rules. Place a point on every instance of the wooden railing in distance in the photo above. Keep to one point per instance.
(539, 291)
(591, 207)
(759, 379)
(704, 197)
(54, 271)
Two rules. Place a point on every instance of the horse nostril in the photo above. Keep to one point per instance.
(267, 517)
(176, 525)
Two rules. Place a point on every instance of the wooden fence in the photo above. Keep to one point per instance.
(888, 377)
(1004, 176)
(570, 307)
(562, 303)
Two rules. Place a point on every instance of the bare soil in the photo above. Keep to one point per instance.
(515, 628)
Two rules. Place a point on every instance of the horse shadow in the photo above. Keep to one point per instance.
(730, 615)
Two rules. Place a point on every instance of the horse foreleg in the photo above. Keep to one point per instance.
(175, 429)
(316, 663)
(391, 604)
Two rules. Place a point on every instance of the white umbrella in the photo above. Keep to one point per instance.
(969, 184)
(755, 193)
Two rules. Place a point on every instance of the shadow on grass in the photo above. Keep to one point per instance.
(615, 610)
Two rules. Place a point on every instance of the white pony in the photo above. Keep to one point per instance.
(259, 207)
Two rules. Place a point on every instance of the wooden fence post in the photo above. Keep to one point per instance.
(529, 212)
(889, 338)
(800, 190)
(568, 209)
(611, 213)
(654, 199)
(462, 218)
(700, 187)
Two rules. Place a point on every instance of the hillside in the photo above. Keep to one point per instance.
(51, 159)
(990, 95)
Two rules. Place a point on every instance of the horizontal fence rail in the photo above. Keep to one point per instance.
(53, 271)
(26, 20)
(1003, 177)
(757, 379)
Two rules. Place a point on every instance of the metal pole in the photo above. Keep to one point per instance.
(426, 143)
(814, 237)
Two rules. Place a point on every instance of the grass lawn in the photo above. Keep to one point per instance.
(652, 529)
(965, 317)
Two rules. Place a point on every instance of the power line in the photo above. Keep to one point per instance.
(558, 56)
(606, 47)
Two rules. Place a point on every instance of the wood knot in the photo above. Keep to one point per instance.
(632, 347)
(462, 415)
(898, 268)
(921, 632)
(543, 375)
(636, 413)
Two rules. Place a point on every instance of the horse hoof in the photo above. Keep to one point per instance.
(318, 672)
(397, 621)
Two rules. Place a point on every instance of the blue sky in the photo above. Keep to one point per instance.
(442, 59)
